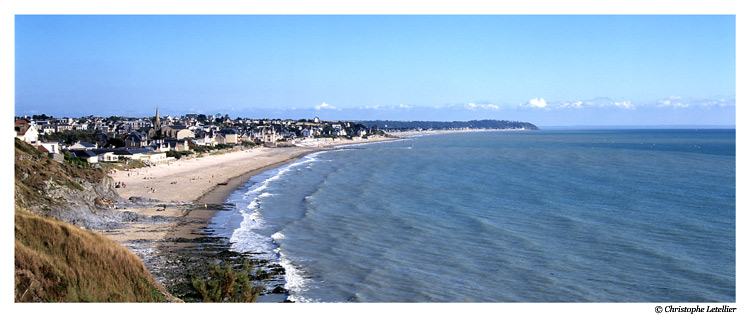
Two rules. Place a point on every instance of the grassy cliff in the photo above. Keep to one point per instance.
(59, 262)
(37, 176)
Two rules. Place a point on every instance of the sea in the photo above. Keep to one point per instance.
(503, 216)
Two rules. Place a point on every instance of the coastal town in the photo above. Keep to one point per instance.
(153, 184)
(144, 182)
(395, 156)
(158, 139)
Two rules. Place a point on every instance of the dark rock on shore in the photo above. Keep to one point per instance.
(140, 200)
(176, 265)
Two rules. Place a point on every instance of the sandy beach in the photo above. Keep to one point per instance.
(188, 180)
(196, 180)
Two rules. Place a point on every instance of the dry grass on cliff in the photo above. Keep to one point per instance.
(57, 262)
(34, 170)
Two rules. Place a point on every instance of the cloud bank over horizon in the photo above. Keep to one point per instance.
(672, 110)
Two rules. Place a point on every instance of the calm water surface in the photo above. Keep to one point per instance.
(528, 216)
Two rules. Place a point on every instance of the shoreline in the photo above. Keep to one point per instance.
(218, 193)
(195, 221)
(187, 196)
(411, 133)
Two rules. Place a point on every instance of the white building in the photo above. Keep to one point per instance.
(28, 134)
(51, 147)
(107, 157)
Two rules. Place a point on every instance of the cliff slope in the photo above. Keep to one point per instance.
(58, 261)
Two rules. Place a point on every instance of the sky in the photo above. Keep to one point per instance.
(550, 70)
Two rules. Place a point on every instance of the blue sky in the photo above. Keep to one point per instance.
(548, 70)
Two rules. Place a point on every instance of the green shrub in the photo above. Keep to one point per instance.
(224, 284)
(178, 154)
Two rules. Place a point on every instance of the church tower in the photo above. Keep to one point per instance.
(157, 122)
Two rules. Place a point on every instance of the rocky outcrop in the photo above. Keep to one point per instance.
(89, 206)
(81, 196)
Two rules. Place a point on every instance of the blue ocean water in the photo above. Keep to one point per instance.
(528, 216)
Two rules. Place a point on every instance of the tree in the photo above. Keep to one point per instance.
(115, 142)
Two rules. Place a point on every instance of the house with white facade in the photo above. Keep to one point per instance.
(26, 132)
(49, 147)
(83, 146)
(108, 157)
(88, 155)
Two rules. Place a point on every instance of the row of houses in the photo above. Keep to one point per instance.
(219, 130)
(91, 152)
(114, 155)
(166, 133)
(173, 137)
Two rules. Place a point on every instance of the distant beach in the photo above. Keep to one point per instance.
(431, 132)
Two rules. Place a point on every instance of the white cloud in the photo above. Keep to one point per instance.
(716, 103)
(540, 103)
(536, 103)
(623, 104)
(681, 105)
(576, 104)
(680, 102)
(484, 106)
(672, 102)
(324, 105)
(391, 107)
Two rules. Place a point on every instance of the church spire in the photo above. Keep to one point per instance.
(157, 122)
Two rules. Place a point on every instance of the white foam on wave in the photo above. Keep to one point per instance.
(246, 239)
(253, 205)
(295, 281)
(266, 194)
(263, 185)
(277, 236)
(249, 241)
